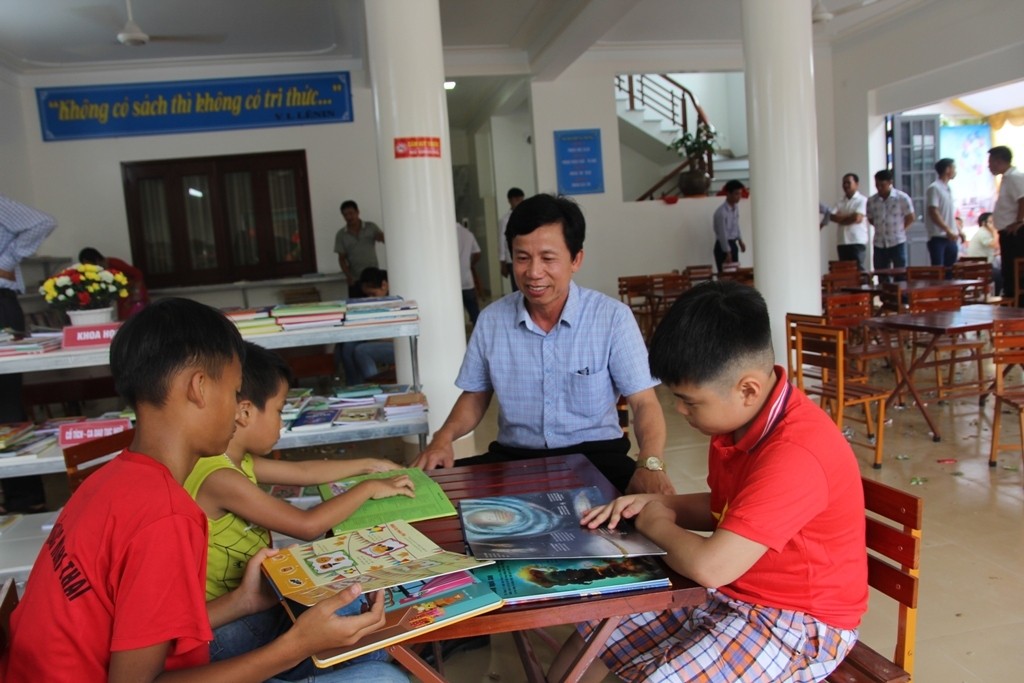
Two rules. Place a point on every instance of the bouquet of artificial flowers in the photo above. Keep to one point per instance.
(84, 286)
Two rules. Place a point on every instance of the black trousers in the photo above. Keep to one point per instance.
(20, 493)
(610, 457)
(734, 249)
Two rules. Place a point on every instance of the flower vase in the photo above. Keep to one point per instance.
(92, 316)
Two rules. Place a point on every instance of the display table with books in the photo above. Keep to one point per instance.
(554, 474)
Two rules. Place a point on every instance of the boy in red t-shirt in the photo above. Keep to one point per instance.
(117, 593)
(785, 560)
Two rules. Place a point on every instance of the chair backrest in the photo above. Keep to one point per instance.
(848, 310)
(833, 282)
(699, 273)
(8, 601)
(925, 273)
(930, 299)
(821, 347)
(894, 557)
(792, 320)
(82, 460)
(668, 286)
(635, 290)
(837, 266)
(1007, 348)
(744, 276)
(891, 298)
(974, 270)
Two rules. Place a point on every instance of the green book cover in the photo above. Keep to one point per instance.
(430, 501)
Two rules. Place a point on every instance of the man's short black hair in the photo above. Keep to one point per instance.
(514, 192)
(263, 373)
(545, 209)
(709, 329)
(1002, 153)
(373, 276)
(349, 204)
(884, 174)
(165, 338)
(90, 255)
(856, 178)
(734, 185)
(943, 164)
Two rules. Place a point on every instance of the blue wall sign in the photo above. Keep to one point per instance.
(193, 106)
(578, 161)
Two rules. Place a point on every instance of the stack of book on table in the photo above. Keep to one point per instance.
(380, 310)
(311, 315)
(355, 406)
(253, 320)
(29, 441)
(423, 586)
(40, 342)
(542, 552)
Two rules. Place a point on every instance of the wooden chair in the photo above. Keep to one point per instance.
(792, 320)
(8, 601)
(834, 282)
(701, 273)
(635, 291)
(823, 347)
(83, 459)
(836, 266)
(925, 273)
(1018, 273)
(891, 298)
(744, 276)
(849, 311)
(894, 564)
(1007, 351)
(666, 288)
(951, 298)
(974, 270)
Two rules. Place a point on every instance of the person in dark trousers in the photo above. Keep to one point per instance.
(728, 240)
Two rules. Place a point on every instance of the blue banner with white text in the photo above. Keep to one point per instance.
(578, 161)
(70, 113)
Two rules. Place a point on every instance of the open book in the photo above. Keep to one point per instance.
(417, 608)
(430, 501)
(376, 557)
(546, 526)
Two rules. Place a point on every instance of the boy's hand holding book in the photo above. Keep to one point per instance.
(625, 507)
(320, 627)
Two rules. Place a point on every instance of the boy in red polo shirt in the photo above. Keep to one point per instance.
(785, 561)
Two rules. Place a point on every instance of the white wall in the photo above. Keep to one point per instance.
(15, 171)
(79, 181)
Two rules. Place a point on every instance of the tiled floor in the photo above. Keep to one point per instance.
(971, 616)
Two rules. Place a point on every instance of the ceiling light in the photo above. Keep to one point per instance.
(193, 192)
(449, 85)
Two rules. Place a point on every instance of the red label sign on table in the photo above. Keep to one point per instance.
(80, 432)
(89, 335)
(417, 147)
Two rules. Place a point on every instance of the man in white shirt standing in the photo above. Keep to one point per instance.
(891, 211)
(1008, 213)
(514, 195)
(944, 235)
(849, 214)
(469, 254)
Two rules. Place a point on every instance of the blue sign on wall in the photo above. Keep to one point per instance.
(578, 161)
(192, 106)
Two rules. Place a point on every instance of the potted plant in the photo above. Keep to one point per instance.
(697, 146)
(84, 287)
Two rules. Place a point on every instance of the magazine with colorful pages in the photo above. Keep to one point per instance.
(416, 608)
(538, 526)
(430, 501)
(518, 581)
(376, 557)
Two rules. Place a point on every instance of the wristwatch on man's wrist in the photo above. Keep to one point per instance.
(652, 463)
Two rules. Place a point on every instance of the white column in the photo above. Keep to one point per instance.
(782, 135)
(407, 77)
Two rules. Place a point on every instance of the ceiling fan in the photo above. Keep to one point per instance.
(821, 14)
(132, 34)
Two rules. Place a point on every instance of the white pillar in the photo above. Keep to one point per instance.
(407, 78)
(783, 140)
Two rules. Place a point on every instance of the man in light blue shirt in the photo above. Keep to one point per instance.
(726, 222)
(557, 356)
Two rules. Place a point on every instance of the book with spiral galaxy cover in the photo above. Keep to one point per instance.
(539, 526)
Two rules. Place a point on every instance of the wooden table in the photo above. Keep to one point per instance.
(939, 324)
(904, 285)
(542, 474)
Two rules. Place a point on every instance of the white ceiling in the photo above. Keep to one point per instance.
(490, 46)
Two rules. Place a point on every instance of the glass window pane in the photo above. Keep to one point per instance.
(241, 218)
(284, 215)
(199, 222)
(156, 226)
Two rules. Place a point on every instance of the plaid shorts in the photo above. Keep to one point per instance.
(723, 640)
